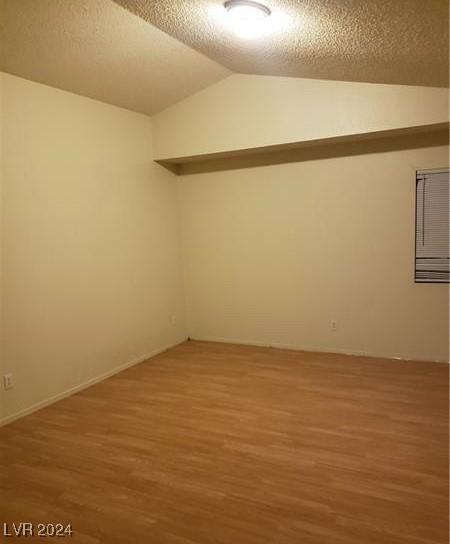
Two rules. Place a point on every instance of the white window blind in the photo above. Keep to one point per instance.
(432, 226)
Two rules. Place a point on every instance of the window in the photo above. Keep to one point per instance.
(432, 226)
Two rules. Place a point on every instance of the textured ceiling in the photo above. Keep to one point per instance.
(382, 41)
(98, 49)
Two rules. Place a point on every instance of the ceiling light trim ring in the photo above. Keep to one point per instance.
(230, 4)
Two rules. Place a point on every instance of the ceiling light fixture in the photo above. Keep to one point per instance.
(248, 19)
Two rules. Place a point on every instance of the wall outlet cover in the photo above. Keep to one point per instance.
(8, 382)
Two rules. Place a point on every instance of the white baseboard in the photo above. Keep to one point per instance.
(85, 385)
(297, 347)
(116, 370)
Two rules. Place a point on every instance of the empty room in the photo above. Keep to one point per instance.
(224, 271)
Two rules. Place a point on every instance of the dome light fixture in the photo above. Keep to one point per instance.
(247, 19)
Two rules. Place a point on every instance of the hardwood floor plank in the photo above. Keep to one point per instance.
(218, 444)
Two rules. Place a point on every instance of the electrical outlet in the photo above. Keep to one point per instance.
(333, 325)
(173, 319)
(8, 382)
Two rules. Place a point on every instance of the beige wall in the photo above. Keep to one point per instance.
(91, 263)
(273, 254)
(90, 231)
(244, 111)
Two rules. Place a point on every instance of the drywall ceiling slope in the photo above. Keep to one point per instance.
(244, 112)
(97, 49)
(379, 41)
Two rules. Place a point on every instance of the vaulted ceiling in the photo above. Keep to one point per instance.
(96, 48)
(145, 55)
(379, 41)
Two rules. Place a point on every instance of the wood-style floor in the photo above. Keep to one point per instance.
(220, 444)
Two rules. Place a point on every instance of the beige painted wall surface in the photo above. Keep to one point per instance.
(91, 268)
(244, 111)
(273, 254)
